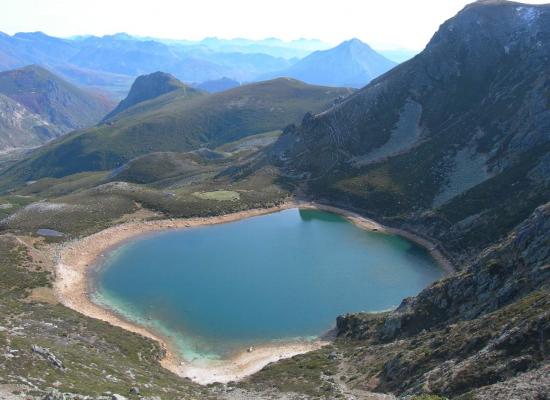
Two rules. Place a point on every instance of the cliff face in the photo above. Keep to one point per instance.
(472, 89)
(453, 143)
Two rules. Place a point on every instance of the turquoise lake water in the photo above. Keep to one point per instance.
(217, 289)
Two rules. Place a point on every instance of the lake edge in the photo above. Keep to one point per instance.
(72, 283)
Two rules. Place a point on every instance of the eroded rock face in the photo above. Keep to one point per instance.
(483, 325)
(63, 106)
(501, 275)
(476, 95)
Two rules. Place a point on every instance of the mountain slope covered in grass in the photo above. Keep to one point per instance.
(178, 122)
(148, 87)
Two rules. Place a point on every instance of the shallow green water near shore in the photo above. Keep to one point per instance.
(214, 290)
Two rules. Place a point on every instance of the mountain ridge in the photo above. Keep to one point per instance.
(49, 106)
(186, 123)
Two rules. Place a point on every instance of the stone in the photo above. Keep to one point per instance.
(48, 355)
(134, 390)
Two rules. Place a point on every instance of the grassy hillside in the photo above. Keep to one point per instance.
(148, 87)
(177, 122)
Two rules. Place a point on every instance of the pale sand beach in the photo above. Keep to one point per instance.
(73, 262)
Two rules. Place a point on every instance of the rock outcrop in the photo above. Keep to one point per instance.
(48, 355)
(147, 87)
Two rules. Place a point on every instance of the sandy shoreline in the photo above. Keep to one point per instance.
(74, 259)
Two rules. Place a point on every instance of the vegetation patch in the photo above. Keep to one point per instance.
(218, 195)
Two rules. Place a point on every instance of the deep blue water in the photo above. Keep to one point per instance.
(217, 289)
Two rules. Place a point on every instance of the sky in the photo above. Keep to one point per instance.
(384, 24)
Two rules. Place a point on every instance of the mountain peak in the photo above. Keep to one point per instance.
(147, 87)
(353, 41)
(34, 68)
(352, 63)
(355, 44)
(31, 35)
(121, 36)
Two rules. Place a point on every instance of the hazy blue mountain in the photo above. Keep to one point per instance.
(114, 85)
(218, 85)
(238, 66)
(352, 63)
(111, 62)
(399, 55)
(26, 48)
(298, 48)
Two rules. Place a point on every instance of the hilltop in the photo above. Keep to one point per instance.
(147, 87)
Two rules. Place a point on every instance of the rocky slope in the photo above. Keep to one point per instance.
(20, 128)
(454, 142)
(350, 64)
(38, 106)
(479, 327)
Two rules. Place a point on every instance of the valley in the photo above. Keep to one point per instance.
(449, 150)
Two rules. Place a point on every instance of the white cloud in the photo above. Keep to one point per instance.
(383, 24)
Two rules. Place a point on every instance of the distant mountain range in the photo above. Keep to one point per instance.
(218, 85)
(352, 63)
(111, 63)
(37, 106)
